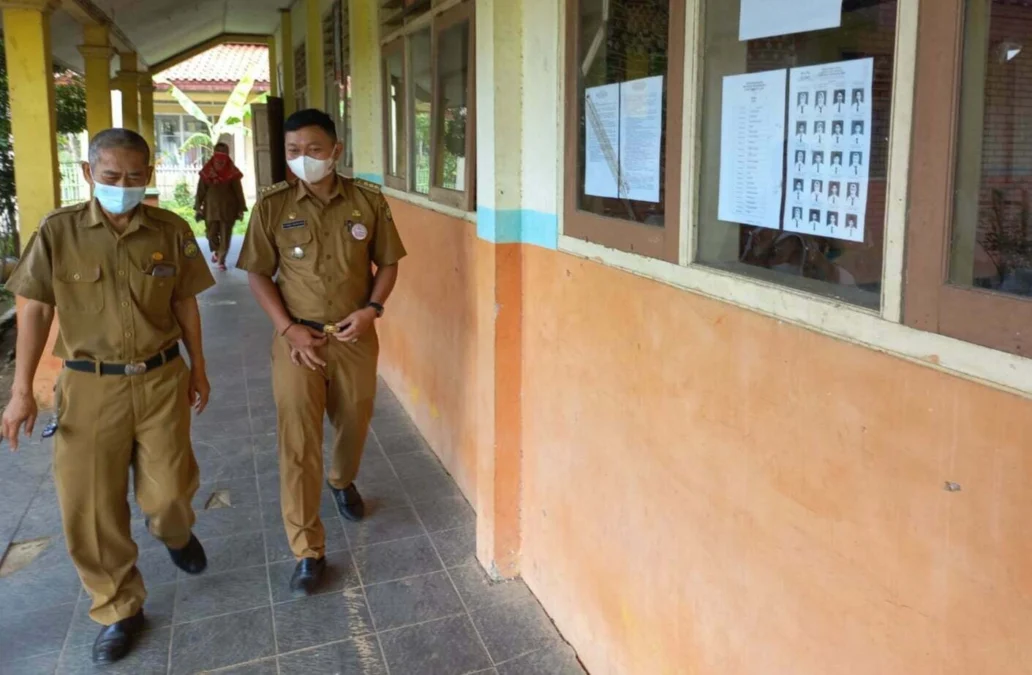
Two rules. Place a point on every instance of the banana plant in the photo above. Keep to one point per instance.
(231, 119)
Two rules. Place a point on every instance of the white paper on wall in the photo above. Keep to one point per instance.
(767, 18)
(752, 141)
(601, 140)
(829, 149)
(641, 138)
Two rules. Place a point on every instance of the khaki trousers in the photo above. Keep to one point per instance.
(107, 424)
(345, 391)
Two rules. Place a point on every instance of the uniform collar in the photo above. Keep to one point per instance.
(97, 218)
(302, 191)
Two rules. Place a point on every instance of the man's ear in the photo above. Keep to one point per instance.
(87, 173)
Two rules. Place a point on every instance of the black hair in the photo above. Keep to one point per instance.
(110, 139)
(311, 118)
(222, 145)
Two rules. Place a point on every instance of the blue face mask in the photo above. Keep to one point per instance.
(118, 200)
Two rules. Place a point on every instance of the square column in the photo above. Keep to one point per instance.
(366, 90)
(316, 68)
(129, 85)
(287, 45)
(96, 52)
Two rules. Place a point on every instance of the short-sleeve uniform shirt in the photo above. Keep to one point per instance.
(321, 254)
(114, 293)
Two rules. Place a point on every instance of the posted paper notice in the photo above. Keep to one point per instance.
(829, 149)
(752, 142)
(601, 139)
(767, 18)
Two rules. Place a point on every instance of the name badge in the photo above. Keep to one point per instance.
(293, 224)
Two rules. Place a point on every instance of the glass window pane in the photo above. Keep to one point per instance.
(992, 224)
(826, 146)
(621, 43)
(396, 136)
(453, 92)
(346, 103)
(422, 96)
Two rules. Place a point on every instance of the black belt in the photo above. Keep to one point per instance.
(125, 368)
(327, 328)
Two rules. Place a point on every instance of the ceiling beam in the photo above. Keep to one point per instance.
(87, 13)
(200, 48)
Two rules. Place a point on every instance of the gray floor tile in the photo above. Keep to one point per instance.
(383, 525)
(208, 595)
(145, 541)
(390, 424)
(340, 575)
(225, 522)
(33, 633)
(156, 566)
(277, 548)
(417, 465)
(54, 553)
(446, 514)
(265, 443)
(386, 494)
(561, 660)
(33, 588)
(396, 560)
(34, 665)
(415, 600)
(263, 425)
(148, 656)
(360, 656)
(375, 468)
(321, 619)
(222, 641)
(42, 519)
(513, 630)
(242, 493)
(213, 429)
(224, 460)
(445, 647)
(431, 487)
(263, 667)
(478, 591)
(456, 547)
(266, 463)
(236, 552)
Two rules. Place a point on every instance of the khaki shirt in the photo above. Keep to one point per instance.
(222, 202)
(110, 307)
(323, 253)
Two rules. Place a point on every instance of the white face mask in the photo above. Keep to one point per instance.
(116, 199)
(309, 169)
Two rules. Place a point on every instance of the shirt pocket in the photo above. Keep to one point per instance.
(78, 290)
(295, 246)
(152, 295)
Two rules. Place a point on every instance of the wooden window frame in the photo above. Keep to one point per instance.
(344, 54)
(459, 199)
(931, 302)
(655, 242)
(443, 14)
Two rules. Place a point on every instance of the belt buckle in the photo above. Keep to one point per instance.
(135, 368)
(330, 329)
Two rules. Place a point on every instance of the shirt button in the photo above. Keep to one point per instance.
(121, 273)
(329, 257)
(125, 304)
(76, 277)
(128, 333)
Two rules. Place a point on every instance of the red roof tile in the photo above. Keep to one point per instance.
(220, 68)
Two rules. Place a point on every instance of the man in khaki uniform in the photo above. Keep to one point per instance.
(123, 277)
(220, 201)
(322, 236)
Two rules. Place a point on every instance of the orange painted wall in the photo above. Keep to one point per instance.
(707, 490)
(428, 337)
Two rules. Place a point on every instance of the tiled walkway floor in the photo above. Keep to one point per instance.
(405, 595)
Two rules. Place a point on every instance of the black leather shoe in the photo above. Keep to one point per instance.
(349, 503)
(307, 575)
(191, 558)
(115, 641)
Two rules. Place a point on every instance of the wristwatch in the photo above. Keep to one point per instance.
(378, 307)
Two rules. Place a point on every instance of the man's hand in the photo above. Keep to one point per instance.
(21, 410)
(199, 390)
(356, 325)
(303, 342)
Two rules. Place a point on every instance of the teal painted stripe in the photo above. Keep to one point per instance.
(371, 177)
(518, 226)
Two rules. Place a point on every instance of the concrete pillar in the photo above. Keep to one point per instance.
(96, 52)
(274, 83)
(129, 85)
(30, 75)
(366, 90)
(287, 44)
(147, 109)
(316, 68)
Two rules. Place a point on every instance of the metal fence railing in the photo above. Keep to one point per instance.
(74, 188)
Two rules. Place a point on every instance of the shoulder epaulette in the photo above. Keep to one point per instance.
(273, 189)
(164, 215)
(74, 208)
(368, 186)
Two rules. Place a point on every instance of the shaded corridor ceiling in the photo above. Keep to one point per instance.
(163, 28)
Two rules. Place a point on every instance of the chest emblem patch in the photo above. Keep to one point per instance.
(190, 249)
(293, 224)
(359, 232)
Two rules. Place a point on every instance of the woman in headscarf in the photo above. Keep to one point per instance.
(220, 202)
